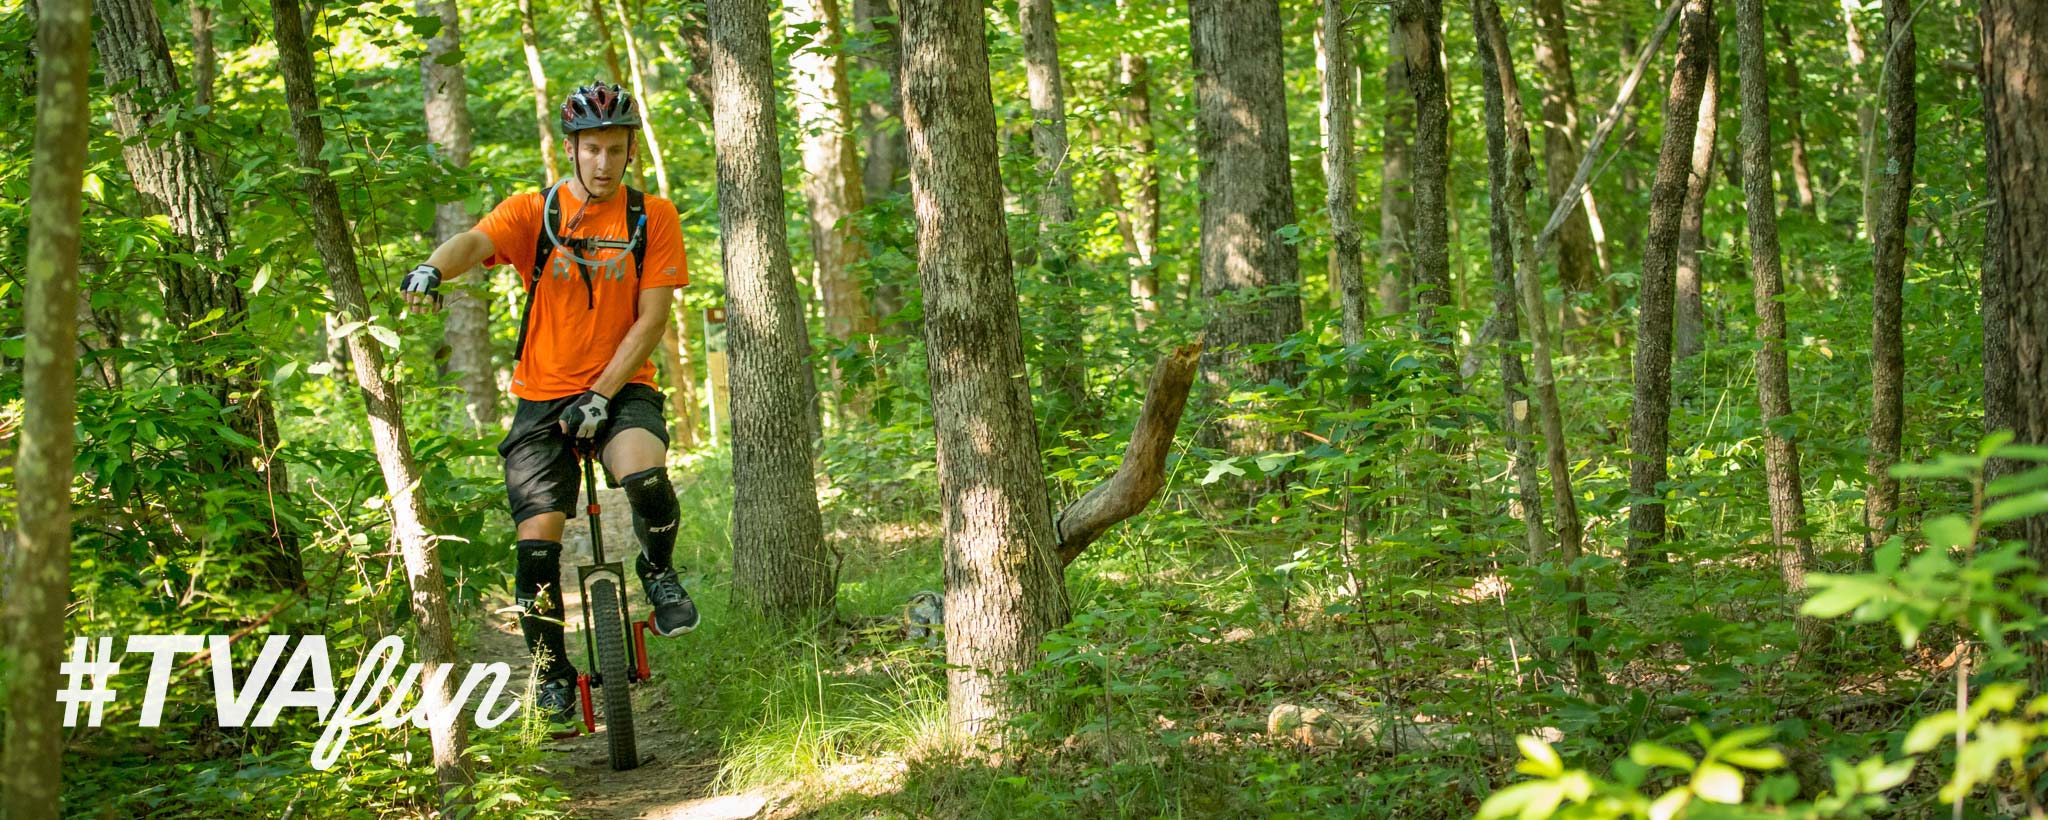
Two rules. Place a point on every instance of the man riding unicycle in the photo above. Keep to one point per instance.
(600, 263)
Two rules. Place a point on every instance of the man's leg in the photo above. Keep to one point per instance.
(638, 457)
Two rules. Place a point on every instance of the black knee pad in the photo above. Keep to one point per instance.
(655, 514)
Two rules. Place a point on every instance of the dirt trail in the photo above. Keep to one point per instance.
(675, 777)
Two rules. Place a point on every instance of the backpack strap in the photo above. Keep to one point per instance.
(636, 224)
(543, 248)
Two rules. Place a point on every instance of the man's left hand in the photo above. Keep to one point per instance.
(582, 418)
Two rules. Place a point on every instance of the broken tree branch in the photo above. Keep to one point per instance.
(1572, 194)
(1143, 471)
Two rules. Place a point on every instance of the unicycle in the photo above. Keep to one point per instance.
(614, 644)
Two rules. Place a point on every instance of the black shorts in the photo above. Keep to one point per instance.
(541, 471)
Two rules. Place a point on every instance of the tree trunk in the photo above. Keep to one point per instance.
(832, 182)
(1773, 387)
(1888, 277)
(1340, 173)
(2014, 77)
(543, 105)
(1134, 74)
(882, 117)
(1421, 23)
(1004, 587)
(780, 566)
(436, 636)
(1528, 251)
(1802, 174)
(618, 75)
(467, 331)
(1397, 204)
(1528, 501)
(1649, 436)
(1691, 309)
(205, 64)
(37, 564)
(1247, 196)
(1577, 256)
(647, 107)
(1063, 370)
(1866, 117)
(176, 180)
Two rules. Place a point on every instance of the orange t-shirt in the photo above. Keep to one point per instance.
(574, 329)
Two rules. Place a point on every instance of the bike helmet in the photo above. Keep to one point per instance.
(599, 105)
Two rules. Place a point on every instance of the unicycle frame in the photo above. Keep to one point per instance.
(597, 570)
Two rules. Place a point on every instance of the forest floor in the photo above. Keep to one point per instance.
(677, 776)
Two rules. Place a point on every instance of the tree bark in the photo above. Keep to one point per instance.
(1062, 371)
(1397, 204)
(543, 105)
(1421, 23)
(618, 75)
(1528, 251)
(882, 117)
(1888, 277)
(1650, 418)
(832, 182)
(176, 180)
(1004, 587)
(1340, 172)
(436, 636)
(1691, 309)
(1495, 79)
(647, 107)
(467, 331)
(1802, 174)
(1773, 386)
(1578, 258)
(1247, 196)
(1134, 75)
(2014, 78)
(1866, 118)
(780, 566)
(38, 563)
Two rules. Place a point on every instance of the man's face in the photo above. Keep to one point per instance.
(601, 155)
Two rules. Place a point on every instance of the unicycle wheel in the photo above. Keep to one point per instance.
(615, 677)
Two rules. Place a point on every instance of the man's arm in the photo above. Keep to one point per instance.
(639, 342)
(453, 258)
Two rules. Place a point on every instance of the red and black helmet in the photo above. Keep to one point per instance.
(599, 105)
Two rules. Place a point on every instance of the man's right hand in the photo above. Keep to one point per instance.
(422, 289)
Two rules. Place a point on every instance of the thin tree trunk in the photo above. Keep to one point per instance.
(37, 562)
(543, 105)
(1397, 205)
(1528, 251)
(780, 565)
(436, 636)
(1866, 117)
(1577, 255)
(1063, 371)
(1247, 196)
(1421, 23)
(882, 116)
(1004, 586)
(2014, 77)
(176, 180)
(832, 182)
(1502, 192)
(1773, 387)
(1134, 74)
(1888, 277)
(1691, 309)
(1340, 172)
(647, 107)
(467, 331)
(205, 63)
(1649, 434)
(618, 75)
(1802, 174)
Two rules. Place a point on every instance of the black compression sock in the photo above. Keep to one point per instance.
(655, 515)
(538, 587)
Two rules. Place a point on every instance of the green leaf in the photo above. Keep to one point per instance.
(1670, 804)
(450, 57)
(1717, 783)
(262, 278)
(1218, 469)
(384, 334)
(2017, 507)
(1888, 557)
(1838, 595)
(1535, 799)
(1758, 760)
(1948, 532)
(2024, 452)
(1879, 776)
(2018, 483)
(1738, 739)
(1656, 754)
(1931, 731)
(344, 330)
(1542, 760)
